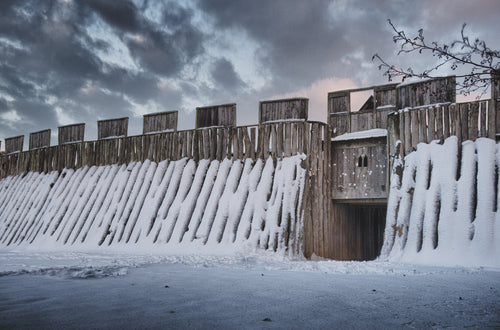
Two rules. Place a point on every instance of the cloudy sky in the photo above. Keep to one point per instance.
(73, 61)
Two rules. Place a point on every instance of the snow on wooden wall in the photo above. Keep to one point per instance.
(240, 204)
(443, 205)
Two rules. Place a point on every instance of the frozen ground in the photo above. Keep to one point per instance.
(77, 290)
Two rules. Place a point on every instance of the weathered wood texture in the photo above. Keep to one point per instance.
(39, 139)
(111, 128)
(14, 144)
(495, 98)
(276, 140)
(467, 121)
(279, 110)
(160, 122)
(438, 90)
(317, 197)
(357, 231)
(71, 133)
(388, 98)
(359, 169)
(215, 116)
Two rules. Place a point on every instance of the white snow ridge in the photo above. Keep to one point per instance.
(444, 210)
(229, 206)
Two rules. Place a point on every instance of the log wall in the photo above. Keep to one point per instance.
(39, 139)
(275, 140)
(71, 133)
(160, 122)
(467, 121)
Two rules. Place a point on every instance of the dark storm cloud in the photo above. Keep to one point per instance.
(302, 41)
(225, 77)
(46, 50)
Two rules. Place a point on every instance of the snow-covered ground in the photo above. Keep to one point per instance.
(112, 290)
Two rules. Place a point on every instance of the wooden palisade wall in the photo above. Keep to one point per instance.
(342, 119)
(160, 122)
(216, 115)
(71, 133)
(112, 128)
(468, 121)
(286, 109)
(39, 139)
(276, 140)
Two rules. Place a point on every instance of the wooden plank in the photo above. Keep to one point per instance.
(407, 128)
(473, 120)
(285, 109)
(14, 144)
(414, 128)
(112, 128)
(483, 124)
(464, 120)
(431, 127)
(446, 121)
(491, 119)
(39, 139)
(439, 123)
(422, 129)
(160, 122)
(253, 142)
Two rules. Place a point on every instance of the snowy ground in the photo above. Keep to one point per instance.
(68, 290)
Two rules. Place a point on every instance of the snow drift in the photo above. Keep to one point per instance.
(232, 204)
(444, 207)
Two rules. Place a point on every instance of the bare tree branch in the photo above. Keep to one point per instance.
(479, 60)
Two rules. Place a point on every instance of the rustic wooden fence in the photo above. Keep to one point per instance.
(467, 121)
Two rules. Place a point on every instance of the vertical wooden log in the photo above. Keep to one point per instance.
(407, 130)
(473, 120)
(279, 152)
(446, 121)
(414, 128)
(464, 120)
(439, 123)
(239, 137)
(300, 137)
(422, 125)
(491, 119)
(431, 127)
(274, 138)
(253, 142)
(483, 125)
(294, 139)
(288, 139)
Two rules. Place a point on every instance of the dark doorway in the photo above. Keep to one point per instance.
(358, 230)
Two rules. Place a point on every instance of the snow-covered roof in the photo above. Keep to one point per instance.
(371, 133)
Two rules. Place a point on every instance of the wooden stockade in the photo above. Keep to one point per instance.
(287, 109)
(276, 140)
(387, 98)
(111, 128)
(14, 144)
(216, 115)
(467, 121)
(71, 133)
(39, 139)
(160, 122)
